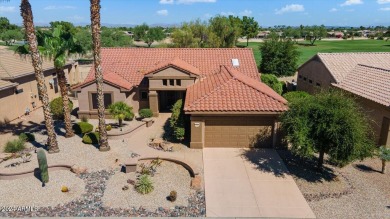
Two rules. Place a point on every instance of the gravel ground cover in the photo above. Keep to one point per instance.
(169, 176)
(91, 205)
(355, 191)
(29, 190)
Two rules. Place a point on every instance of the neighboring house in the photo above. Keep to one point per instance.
(227, 104)
(366, 75)
(18, 87)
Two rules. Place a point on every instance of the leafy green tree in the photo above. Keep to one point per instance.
(315, 32)
(273, 82)
(140, 31)
(279, 57)
(120, 111)
(153, 34)
(292, 95)
(67, 27)
(328, 123)
(224, 31)
(250, 28)
(184, 38)
(84, 38)
(6, 25)
(10, 36)
(115, 38)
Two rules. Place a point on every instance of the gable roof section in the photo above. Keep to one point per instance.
(110, 78)
(340, 64)
(368, 82)
(175, 63)
(231, 91)
(132, 63)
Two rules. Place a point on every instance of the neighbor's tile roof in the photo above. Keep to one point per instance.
(340, 64)
(13, 65)
(6, 84)
(132, 63)
(228, 90)
(369, 82)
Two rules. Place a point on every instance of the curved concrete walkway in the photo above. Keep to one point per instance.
(250, 183)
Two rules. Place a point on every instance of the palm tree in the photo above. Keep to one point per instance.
(120, 111)
(57, 45)
(95, 26)
(26, 12)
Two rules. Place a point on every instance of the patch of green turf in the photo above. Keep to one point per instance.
(330, 46)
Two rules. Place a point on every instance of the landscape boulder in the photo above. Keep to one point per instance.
(78, 170)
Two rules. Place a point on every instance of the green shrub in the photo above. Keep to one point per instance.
(14, 146)
(84, 118)
(27, 136)
(120, 111)
(91, 138)
(273, 82)
(177, 120)
(56, 108)
(82, 127)
(108, 128)
(145, 113)
(144, 185)
(43, 168)
(294, 95)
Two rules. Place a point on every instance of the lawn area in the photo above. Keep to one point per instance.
(330, 46)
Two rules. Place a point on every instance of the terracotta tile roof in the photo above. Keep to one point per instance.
(13, 65)
(368, 82)
(176, 63)
(111, 78)
(6, 84)
(133, 63)
(340, 64)
(231, 91)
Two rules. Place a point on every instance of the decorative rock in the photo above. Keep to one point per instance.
(196, 183)
(124, 188)
(78, 170)
(156, 142)
(166, 146)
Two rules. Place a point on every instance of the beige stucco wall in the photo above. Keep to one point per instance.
(317, 73)
(156, 82)
(14, 105)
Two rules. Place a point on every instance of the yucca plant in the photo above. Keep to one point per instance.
(120, 111)
(384, 155)
(144, 185)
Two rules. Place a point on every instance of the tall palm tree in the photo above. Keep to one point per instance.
(95, 26)
(58, 45)
(26, 12)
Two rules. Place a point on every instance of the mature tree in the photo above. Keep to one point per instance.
(292, 33)
(95, 26)
(199, 30)
(250, 28)
(10, 36)
(140, 31)
(273, 82)
(292, 95)
(184, 38)
(84, 38)
(224, 31)
(153, 34)
(120, 111)
(58, 45)
(6, 25)
(315, 32)
(27, 15)
(67, 27)
(279, 57)
(328, 123)
(115, 38)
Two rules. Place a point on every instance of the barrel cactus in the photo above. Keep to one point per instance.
(43, 168)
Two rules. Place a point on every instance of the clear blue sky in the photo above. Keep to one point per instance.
(266, 12)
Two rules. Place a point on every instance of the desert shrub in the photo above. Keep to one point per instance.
(172, 196)
(57, 108)
(84, 118)
(14, 146)
(82, 127)
(91, 138)
(146, 113)
(177, 120)
(294, 95)
(27, 136)
(144, 185)
(273, 82)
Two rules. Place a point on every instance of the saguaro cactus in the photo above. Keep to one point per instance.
(43, 168)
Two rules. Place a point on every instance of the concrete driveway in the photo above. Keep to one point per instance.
(250, 183)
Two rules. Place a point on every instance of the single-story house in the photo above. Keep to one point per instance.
(227, 104)
(365, 75)
(18, 87)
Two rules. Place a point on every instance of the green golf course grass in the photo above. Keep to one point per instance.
(306, 52)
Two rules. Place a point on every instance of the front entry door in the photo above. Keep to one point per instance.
(168, 98)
